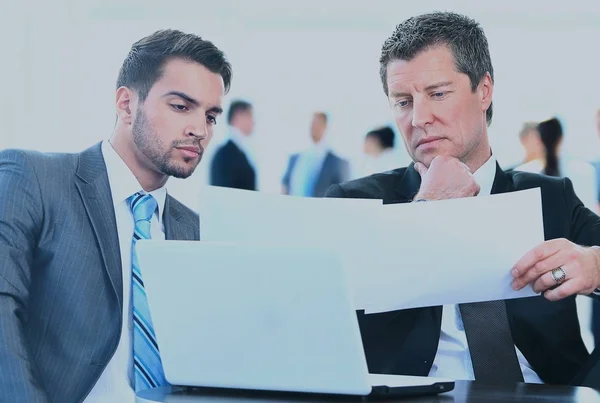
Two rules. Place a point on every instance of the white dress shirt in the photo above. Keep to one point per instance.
(115, 383)
(453, 359)
(309, 161)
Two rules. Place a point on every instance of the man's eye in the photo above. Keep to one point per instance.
(179, 108)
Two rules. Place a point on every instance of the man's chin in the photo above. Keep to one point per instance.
(182, 171)
(426, 158)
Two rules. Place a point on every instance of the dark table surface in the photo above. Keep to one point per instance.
(464, 391)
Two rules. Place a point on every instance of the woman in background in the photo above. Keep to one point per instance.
(379, 154)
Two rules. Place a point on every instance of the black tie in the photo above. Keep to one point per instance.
(490, 343)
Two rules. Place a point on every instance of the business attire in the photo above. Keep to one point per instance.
(66, 231)
(234, 165)
(432, 340)
(313, 171)
(583, 176)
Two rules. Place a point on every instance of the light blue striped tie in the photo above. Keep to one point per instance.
(148, 370)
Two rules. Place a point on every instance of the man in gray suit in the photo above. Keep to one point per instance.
(312, 172)
(74, 321)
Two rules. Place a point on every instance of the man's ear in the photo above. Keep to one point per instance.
(126, 103)
(486, 90)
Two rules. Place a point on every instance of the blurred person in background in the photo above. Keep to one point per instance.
(530, 140)
(552, 163)
(312, 171)
(379, 154)
(234, 163)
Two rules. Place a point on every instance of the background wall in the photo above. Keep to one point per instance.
(60, 61)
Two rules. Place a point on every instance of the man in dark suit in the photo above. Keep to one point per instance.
(311, 172)
(437, 74)
(74, 318)
(233, 165)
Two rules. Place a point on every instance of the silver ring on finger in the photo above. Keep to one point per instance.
(559, 275)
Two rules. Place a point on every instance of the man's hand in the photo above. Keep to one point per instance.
(580, 264)
(446, 178)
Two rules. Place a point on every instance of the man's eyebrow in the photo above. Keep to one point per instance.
(183, 96)
(428, 88)
(214, 109)
(437, 85)
(395, 94)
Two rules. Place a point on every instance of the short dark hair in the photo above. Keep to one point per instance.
(145, 62)
(236, 107)
(385, 135)
(463, 36)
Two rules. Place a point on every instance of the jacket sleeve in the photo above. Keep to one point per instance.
(20, 221)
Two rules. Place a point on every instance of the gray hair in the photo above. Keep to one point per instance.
(463, 36)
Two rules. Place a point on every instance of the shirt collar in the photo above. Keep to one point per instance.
(239, 139)
(319, 149)
(485, 176)
(123, 182)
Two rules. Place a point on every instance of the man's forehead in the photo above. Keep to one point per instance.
(401, 77)
(192, 79)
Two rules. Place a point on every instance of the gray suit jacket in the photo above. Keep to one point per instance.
(61, 288)
(334, 170)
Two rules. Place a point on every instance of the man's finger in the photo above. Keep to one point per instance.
(540, 252)
(546, 281)
(420, 168)
(566, 289)
(539, 268)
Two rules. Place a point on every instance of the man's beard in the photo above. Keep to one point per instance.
(148, 141)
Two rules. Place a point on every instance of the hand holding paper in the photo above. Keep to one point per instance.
(559, 262)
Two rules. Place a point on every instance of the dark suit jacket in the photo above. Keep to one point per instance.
(547, 333)
(230, 168)
(334, 170)
(61, 288)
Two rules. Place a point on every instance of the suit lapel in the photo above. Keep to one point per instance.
(322, 179)
(177, 226)
(92, 183)
(502, 182)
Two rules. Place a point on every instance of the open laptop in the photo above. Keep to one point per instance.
(272, 318)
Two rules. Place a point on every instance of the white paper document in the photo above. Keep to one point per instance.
(451, 251)
(231, 215)
(396, 256)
